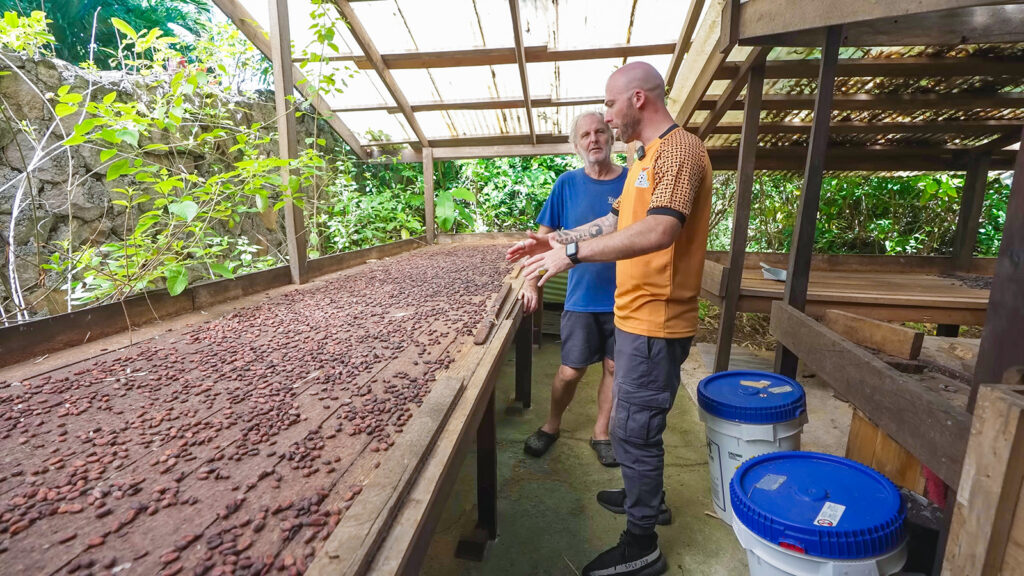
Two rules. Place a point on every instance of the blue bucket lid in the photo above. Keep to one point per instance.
(751, 397)
(818, 504)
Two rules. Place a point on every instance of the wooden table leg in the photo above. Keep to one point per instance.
(524, 362)
(474, 546)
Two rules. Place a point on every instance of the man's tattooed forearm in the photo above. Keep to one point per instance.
(578, 234)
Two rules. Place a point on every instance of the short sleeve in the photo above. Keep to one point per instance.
(679, 171)
(552, 215)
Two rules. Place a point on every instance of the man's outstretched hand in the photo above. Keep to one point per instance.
(534, 244)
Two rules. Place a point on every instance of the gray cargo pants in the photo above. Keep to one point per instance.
(646, 382)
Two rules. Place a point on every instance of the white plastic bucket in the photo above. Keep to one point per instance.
(767, 559)
(733, 443)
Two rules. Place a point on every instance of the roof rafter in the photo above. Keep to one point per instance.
(684, 42)
(244, 21)
(885, 67)
(483, 104)
(973, 127)
(497, 56)
(732, 93)
(890, 102)
(370, 49)
(517, 34)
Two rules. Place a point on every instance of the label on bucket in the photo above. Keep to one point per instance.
(781, 389)
(830, 514)
(717, 482)
(756, 383)
(770, 482)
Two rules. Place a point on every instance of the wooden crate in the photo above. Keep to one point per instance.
(871, 446)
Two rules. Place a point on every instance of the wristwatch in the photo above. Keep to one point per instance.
(572, 252)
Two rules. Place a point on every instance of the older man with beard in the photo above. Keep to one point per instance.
(657, 230)
(587, 330)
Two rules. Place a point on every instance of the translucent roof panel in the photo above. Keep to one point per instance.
(455, 84)
(414, 25)
(392, 127)
(556, 120)
(302, 16)
(472, 123)
(358, 87)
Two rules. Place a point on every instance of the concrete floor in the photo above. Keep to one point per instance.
(548, 519)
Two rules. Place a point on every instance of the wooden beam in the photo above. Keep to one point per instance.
(803, 230)
(366, 44)
(288, 141)
(925, 66)
(707, 52)
(428, 193)
(684, 41)
(892, 339)
(245, 23)
(967, 127)
(929, 427)
(503, 55)
(732, 92)
(741, 215)
(517, 35)
(803, 22)
(971, 201)
(483, 104)
(499, 151)
(891, 102)
(990, 486)
(999, 143)
(1000, 341)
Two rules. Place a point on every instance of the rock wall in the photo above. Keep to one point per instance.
(49, 212)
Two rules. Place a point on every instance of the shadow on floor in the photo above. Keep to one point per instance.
(548, 519)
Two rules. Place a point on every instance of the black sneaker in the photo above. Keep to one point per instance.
(635, 555)
(615, 501)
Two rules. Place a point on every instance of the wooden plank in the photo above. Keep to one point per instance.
(741, 213)
(707, 52)
(491, 314)
(1000, 342)
(715, 278)
(345, 260)
(428, 194)
(929, 427)
(799, 268)
(893, 102)
(366, 44)
(967, 127)
(245, 22)
(862, 439)
(882, 336)
(936, 66)
(968, 219)
(288, 140)
(501, 150)
(859, 262)
(517, 38)
(352, 545)
(407, 542)
(990, 486)
(683, 43)
(504, 55)
(732, 93)
(760, 20)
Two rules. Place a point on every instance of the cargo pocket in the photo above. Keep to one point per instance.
(640, 414)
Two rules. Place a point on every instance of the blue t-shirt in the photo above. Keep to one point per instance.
(576, 199)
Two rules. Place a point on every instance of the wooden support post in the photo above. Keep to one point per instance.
(947, 330)
(428, 193)
(983, 526)
(474, 546)
(1000, 341)
(524, 363)
(741, 218)
(538, 318)
(806, 219)
(970, 210)
(281, 56)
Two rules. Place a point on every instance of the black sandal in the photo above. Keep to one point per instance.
(539, 442)
(605, 452)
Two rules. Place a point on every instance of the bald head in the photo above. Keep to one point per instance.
(638, 76)
(634, 100)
